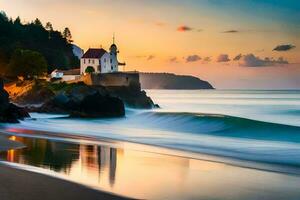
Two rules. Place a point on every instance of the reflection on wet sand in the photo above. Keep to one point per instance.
(92, 160)
(150, 175)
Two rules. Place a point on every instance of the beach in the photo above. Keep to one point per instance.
(6, 144)
(19, 184)
(226, 145)
(132, 171)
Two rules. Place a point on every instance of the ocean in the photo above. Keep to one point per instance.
(236, 126)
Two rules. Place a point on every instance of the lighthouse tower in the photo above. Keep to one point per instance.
(113, 51)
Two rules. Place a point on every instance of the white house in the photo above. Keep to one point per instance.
(66, 75)
(57, 74)
(101, 60)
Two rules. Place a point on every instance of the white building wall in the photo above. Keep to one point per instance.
(108, 63)
(70, 77)
(86, 62)
(114, 63)
(105, 63)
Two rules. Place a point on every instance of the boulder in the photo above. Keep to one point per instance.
(84, 101)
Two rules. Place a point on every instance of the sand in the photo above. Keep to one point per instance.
(23, 185)
(17, 184)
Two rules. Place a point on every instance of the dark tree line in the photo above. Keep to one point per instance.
(36, 40)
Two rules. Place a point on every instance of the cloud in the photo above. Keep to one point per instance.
(207, 59)
(231, 31)
(223, 58)
(250, 60)
(174, 60)
(184, 28)
(193, 58)
(238, 57)
(284, 47)
(151, 57)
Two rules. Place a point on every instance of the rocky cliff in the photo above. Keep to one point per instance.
(78, 99)
(8, 111)
(172, 81)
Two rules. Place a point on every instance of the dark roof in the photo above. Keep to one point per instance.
(94, 53)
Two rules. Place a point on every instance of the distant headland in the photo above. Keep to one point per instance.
(172, 81)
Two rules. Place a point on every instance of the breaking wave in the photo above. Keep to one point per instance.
(218, 135)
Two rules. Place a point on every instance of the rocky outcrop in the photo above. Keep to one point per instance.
(40, 93)
(83, 101)
(133, 97)
(8, 111)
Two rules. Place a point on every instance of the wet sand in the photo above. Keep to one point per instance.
(24, 185)
(134, 172)
(18, 184)
(6, 144)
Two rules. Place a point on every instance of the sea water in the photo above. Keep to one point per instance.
(248, 125)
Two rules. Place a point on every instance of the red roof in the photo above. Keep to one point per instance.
(94, 53)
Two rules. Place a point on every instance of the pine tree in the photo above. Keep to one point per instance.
(67, 35)
(37, 22)
(17, 21)
(49, 26)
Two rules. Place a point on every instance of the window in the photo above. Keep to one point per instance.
(93, 61)
(89, 61)
(104, 59)
(83, 61)
(110, 61)
(112, 68)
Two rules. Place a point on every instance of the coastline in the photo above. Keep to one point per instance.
(151, 148)
(15, 185)
(116, 168)
(6, 144)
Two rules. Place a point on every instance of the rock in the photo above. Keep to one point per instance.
(133, 97)
(97, 105)
(84, 101)
(4, 98)
(8, 111)
(75, 99)
(36, 95)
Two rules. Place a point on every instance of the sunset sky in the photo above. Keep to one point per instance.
(232, 44)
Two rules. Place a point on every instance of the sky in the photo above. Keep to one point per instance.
(233, 44)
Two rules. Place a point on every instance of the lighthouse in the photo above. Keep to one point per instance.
(113, 51)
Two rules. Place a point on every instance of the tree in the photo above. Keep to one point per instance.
(27, 63)
(3, 16)
(89, 70)
(67, 35)
(33, 36)
(37, 22)
(17, 21)
(49, 26)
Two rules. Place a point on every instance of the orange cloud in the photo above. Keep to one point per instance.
(184, 28)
